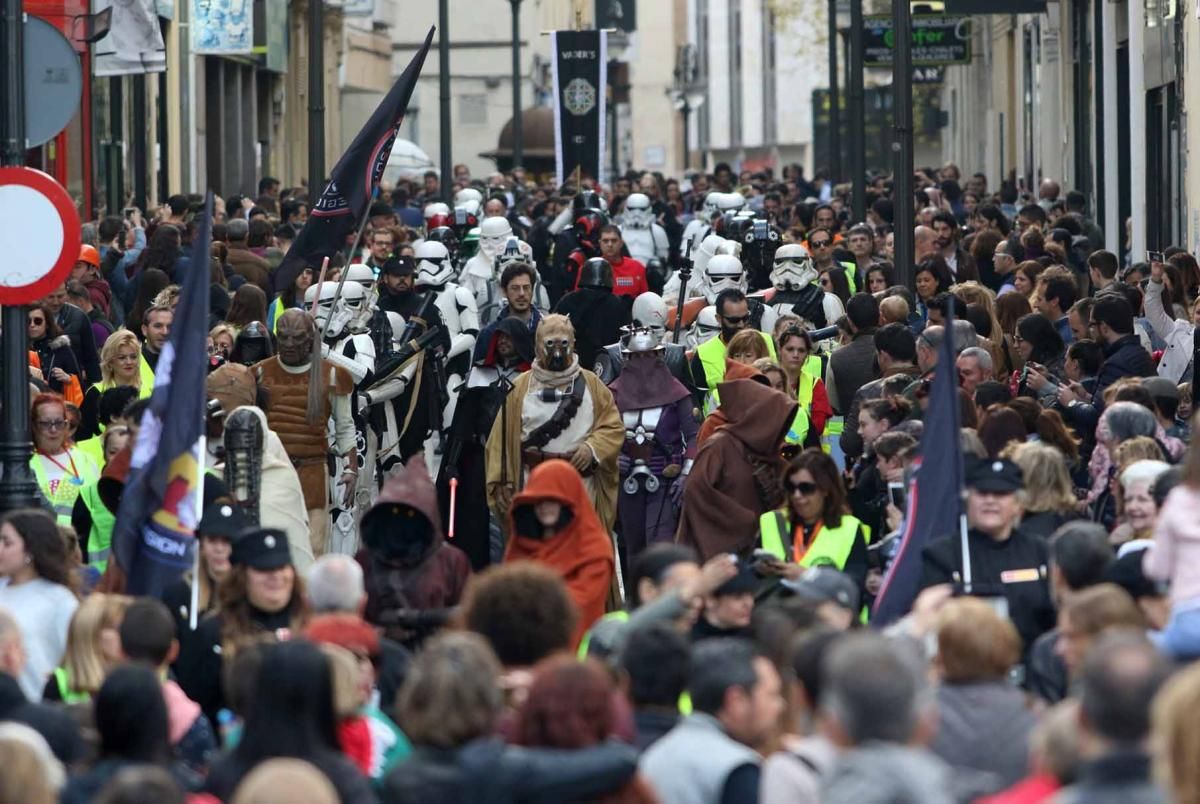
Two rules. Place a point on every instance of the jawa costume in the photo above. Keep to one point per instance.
(301, 427)
(410, 572)
(577, 546)
(736, 477)
(508, 353)
(660, 442)
(556, 410)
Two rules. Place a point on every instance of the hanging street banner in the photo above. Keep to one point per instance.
(580, 86)
(936, 40)
(134, 43)
(222, 27)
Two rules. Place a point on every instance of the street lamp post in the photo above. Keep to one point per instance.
(17, 488)
(902, 141)
(835, 122)
(446, 181)
(316, 99)
(858, 113)
(517, 133)
(686, 93)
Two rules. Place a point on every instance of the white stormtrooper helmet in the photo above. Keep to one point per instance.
(724, 272)
(397, 323)
(710, 209)
(709, 247)
(340, 313)
(650, 311)
(515, 250)
(434, 266)
(436, 208)
(360, 274)
(793, 268)
(706, 326)
(639, 213)
(467, 194)
(730, 202)
(493, 236)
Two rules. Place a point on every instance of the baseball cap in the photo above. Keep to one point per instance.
(996, 476)
(745, 582)
(825, 585)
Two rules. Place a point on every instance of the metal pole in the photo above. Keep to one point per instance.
(1137, 122)
(687, 115)
(1112, 178)
(858, 113)
(139, 143)
(316, 99)
(518, 145)
(835, 122)
(116, 136)
(902, 141)
(447, 178)
(17, 486)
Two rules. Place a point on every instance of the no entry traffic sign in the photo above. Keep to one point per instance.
(39, 230)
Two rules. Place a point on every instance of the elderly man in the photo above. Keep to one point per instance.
(974, 366)
(335, 586)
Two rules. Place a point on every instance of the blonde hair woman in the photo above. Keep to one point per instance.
(120, 361)
(1049, 496)
(1176, 736)
(93, 648)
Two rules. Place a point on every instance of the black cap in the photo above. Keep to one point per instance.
(399, 266)
(996, 476)
(825, 585)
(745, 582)
(224, 520)
(262, 549)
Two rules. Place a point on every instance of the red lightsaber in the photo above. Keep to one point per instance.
(453, 505)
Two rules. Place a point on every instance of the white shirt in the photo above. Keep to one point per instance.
(43, 612)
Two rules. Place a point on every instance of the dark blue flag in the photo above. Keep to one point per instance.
(935, 493)
(154, 535)
(352, 182)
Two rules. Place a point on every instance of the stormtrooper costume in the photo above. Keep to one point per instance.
(457, 307)
(385, 417)
(650, 313)
(364, 276)
(437, 214)
(715, 204)
(796, 289)
(354, 352)
(643, 236)
(724, 272)
(479, 274)
(705, 329)
(709, 247)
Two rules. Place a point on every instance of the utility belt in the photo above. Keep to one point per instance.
(532, 457)
(642, 475)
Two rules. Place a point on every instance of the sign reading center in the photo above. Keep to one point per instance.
(936, 40)
(39, 227)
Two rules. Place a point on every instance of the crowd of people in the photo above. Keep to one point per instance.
(548, 493)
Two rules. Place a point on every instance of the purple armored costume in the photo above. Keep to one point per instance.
(660, 443)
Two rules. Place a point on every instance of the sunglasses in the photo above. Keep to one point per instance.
(820, 244)
(738, 319)
(802, 488)
(36, 321)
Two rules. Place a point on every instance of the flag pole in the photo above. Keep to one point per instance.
(193, 615)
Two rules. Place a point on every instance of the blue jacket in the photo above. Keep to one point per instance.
(1124, 357)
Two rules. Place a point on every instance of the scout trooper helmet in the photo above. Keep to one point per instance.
(793, 268)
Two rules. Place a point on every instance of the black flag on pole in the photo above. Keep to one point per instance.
(353, 180)
(580, 85)
(153, 537)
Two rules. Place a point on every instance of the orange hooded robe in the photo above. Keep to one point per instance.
(581, 552)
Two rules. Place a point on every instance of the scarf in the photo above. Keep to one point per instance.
(556, 378)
